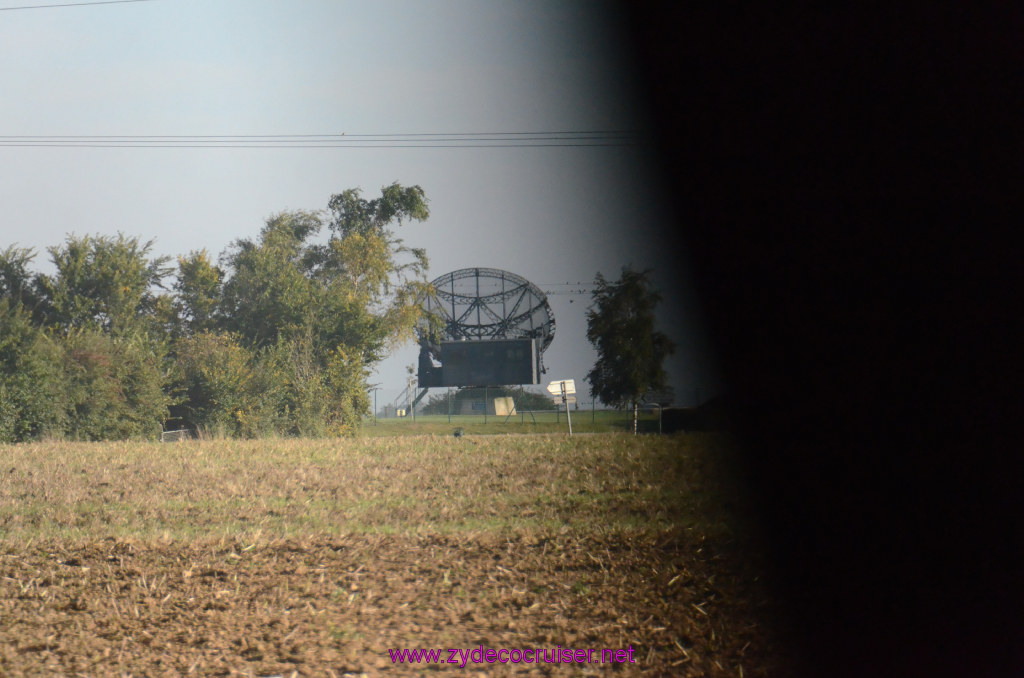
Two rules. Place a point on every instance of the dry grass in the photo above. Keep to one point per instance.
(274, 556)
(409, 485)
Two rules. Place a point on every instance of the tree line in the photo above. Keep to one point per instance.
(275, 337)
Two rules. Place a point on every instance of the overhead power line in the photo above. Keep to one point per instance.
(576, 288)
(71, 4)
(343, 140)
(332, 134)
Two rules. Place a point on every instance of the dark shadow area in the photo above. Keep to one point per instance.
(714, 415)
(842, 185)
(644, 424)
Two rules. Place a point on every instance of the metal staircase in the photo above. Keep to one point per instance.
(404, 397)
(420, 396)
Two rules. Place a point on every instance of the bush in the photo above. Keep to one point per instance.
(33, 393)
(215, 379)
(350, 401)
(302, 394)
(116, 386)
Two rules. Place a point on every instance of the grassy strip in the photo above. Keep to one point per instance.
(583, 421)
(495, 485)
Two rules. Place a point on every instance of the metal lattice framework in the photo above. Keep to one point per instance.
(488, 303)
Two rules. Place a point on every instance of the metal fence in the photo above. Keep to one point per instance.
(552, 416)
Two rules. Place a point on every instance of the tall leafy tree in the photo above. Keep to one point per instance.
(197, 292)
(270, 293)
(17, 284)
(104, 307)
(330, 306)
(376, 280)
(103, 282)
(357, 289)
(630, 351)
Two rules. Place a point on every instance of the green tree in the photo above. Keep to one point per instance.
(630, 351)
(376, 280)
(103, 282)
(358, 289)
(270, 294)
(33, 390)
(279, 341)
(17, 284)
(334, 306)
(103, 307)
(197, 292)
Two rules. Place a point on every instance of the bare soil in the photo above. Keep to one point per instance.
(335, 607)
(112, 564)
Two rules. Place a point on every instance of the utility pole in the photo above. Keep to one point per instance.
(565, 401)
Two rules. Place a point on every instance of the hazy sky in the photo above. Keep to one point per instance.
(265, 67)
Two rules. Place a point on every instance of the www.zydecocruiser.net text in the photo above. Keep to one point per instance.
(481, 655)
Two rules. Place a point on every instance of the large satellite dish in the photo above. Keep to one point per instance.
(482, 305)
(488, 303)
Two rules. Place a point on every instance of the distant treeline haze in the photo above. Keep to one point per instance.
(276, 337)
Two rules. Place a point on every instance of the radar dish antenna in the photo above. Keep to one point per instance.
(480, 304)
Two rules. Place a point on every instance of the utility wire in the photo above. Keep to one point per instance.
(418, 140)
(571, 288)
(71, 4)
(5, 145)
(343, 134)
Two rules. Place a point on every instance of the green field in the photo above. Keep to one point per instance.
(583, 421)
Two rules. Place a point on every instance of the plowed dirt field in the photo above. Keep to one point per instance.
(212, 560)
